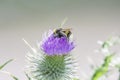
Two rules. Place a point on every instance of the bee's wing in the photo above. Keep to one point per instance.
(63, 22)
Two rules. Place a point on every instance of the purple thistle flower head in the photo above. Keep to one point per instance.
(57, 44)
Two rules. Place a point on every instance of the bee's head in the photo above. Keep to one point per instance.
(62, 33)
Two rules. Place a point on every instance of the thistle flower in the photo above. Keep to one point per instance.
(57, 45)
(52, 60)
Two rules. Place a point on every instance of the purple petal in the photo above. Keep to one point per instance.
(57, 46)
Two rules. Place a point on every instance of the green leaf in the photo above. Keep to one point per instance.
(103, 69)
(3, 65)
(10, 74)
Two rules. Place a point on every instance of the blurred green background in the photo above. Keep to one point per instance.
(90, 20)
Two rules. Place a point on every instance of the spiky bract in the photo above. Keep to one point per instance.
(44, 67)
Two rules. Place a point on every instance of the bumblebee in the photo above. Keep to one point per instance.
(62, 33)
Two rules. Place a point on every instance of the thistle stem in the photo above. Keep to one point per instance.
(119, 74)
